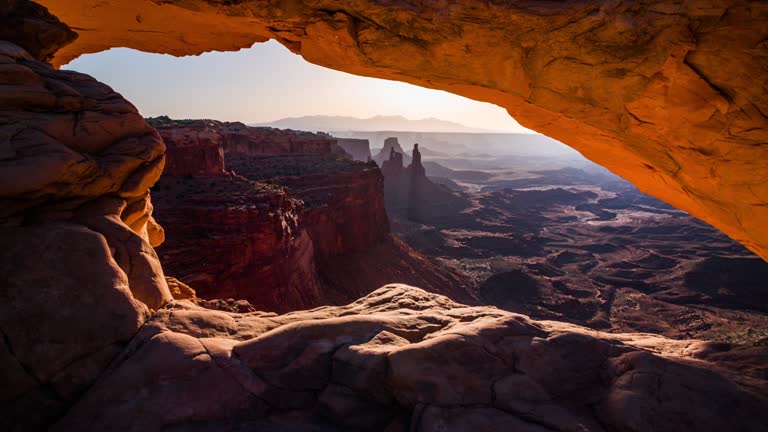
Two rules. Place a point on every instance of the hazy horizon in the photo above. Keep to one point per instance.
(267, 83)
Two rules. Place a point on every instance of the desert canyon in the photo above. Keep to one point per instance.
(161, 274)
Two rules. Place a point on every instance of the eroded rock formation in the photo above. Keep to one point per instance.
(391, 145)
(670, 96)
(78, 275)
(403, 359)
(359, 149)
(229, 237)
(289, 243)
(410, 195)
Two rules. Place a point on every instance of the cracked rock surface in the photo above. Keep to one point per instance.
(403, 359)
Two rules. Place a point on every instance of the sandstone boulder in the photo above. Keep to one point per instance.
(77, 274)
(65, 311)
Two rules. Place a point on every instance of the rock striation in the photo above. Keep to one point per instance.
(78, 275)
(670, 96)
(280, 230)
(229, 237)
(236, 137)
(403, 359)
(197, 149)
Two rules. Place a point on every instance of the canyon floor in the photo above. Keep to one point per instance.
(561, 238)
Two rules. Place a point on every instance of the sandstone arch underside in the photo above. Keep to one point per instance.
(672, 96)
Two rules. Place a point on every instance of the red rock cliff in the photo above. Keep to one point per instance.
(193, 150)
(343, 200)
(232, 236)
(228, 237)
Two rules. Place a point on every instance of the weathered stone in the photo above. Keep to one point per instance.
(450, 367)
(65, 311)
(669, 96)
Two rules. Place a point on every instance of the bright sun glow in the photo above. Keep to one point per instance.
(266, 83)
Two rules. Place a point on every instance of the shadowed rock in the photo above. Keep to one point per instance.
(403, 356)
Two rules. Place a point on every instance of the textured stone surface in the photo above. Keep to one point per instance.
(33, 28)
(78, 275)
(193, 151)
(670, 96)
(73, 150)
(229, 237)
(401, 356)
(65, 311)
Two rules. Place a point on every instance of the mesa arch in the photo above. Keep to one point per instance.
(672, 96)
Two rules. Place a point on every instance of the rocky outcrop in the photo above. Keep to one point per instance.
(359, 149)
(78, 275)
(345, 216)
(402, 359)
(343, 211)
(74, 151)
(236, 137)
(228, 237)
(33, 28)
(411, 196)
(194, 149)
(391, 145)
(66, 310)
(669, 96)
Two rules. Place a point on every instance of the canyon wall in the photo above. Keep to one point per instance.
(78, 276)
(410, 195)
(197, 150)
(91, 339)
(228, 237)
(669, 95)
(343, 200)
(359, 149)
(281, 224)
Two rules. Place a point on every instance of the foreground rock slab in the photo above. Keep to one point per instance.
(403, 359)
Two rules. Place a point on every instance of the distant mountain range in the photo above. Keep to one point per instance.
(378, 123)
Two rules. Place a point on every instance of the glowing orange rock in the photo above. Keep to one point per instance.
(670, 96)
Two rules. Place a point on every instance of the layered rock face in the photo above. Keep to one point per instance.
(344, 214)
(343, 202)
(410, 195)
(358, 149)
(670, 96)
(391, 145)
(236, 137)
(195, 150)
(230, 235)
(403, 359)
(78, 275)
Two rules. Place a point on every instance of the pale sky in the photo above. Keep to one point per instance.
(266, 83)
